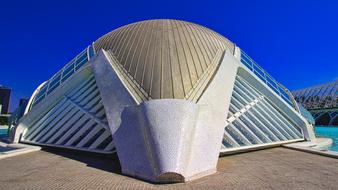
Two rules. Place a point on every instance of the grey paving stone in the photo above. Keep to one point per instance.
(277, 168)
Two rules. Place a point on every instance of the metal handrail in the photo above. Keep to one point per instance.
(61, 76)
(283, 92)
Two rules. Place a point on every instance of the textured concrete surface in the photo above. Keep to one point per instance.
(168, 140)
(277, 168)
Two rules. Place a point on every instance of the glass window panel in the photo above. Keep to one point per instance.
(246, 59)
(79, 65)
(287, 100)
(283, 92)
(39, 96)
(55, 80)
(247, 64)
(65, 77)
(68, 71)
(36, 101)
(258, 70)
(285, 95)
(68, 68)
(273, 87)
(271, 81)
(41, 92)
(259, 75)
(44, 88)
(52, 88)
(81, 58)
(82, 53)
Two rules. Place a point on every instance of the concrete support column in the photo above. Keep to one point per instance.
(167, 140)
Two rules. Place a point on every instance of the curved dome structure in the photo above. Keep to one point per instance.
(165, 57)
(168, 97)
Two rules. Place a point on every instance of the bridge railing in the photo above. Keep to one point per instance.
(268, 79)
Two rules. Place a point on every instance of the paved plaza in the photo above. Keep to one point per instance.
(276, 168)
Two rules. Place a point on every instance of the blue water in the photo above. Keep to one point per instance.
(3, 132)
(329, 132)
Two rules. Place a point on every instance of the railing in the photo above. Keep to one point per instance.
(60, 77)
(266, 78)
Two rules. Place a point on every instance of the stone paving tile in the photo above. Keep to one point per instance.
(277, 168)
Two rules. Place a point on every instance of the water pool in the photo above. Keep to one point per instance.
(3, 132)
(329, 132)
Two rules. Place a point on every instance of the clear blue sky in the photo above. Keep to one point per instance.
(294, 40)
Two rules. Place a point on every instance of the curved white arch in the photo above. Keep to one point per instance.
(30, 102)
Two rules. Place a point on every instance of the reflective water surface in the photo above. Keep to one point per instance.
(329, 132)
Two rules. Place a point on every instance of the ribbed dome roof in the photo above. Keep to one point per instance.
(165, 58)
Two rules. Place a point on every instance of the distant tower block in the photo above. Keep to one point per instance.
(5, 94)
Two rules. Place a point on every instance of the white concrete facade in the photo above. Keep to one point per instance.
(98, 109)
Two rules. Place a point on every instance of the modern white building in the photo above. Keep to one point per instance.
(168, 97)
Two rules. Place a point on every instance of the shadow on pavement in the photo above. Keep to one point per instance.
(106, 162)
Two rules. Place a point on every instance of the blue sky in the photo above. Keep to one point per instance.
(294, 40)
